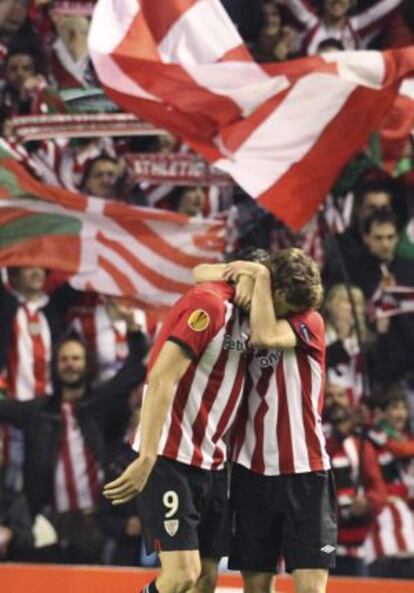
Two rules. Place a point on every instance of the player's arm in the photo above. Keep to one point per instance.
(215, 273)
(266, 330)
(208, 273)
(170, 366)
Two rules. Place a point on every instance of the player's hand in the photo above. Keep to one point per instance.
(130, 483)
(234, 269)
(244, 292)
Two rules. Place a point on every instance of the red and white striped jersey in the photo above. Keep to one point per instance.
(107, 337)
(78, 477)
(208, 326)
(279, 429)
(392, 533)
(28, 368)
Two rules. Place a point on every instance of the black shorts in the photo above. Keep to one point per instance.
(290, 516)
(183, 507)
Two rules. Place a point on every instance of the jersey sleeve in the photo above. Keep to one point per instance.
(309, 330)
(200, 317)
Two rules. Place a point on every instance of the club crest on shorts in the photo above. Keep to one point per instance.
(199, 320)
(171, 526)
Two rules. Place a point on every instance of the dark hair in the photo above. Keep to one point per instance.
(90, 164)
(380, 216)
(331, 42)
(90, 362)
(392, 396)
(254, 254)
(298, 276)
(34, 54)
(378, 182)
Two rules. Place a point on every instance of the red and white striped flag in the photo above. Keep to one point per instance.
(107, 246)
(398, 127)
(283, 131)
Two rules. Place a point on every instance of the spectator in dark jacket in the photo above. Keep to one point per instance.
(64, 441)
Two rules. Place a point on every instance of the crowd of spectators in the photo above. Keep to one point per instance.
(73, 364)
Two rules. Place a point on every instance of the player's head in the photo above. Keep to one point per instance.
(297, 284)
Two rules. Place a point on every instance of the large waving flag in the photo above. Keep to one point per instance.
(107, 246)
(283, 131)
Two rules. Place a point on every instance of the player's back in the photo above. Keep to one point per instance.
(207, 325)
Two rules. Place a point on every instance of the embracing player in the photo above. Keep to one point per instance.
(194, 388)
(282, 489)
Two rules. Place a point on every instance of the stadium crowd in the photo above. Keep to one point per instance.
(72, 364)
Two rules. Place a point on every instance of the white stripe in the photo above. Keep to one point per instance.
(353, 456)
(203, 34)
(78, 460)
(25, 381)
(46, 338)
(229, 377)
(294, 403)
(271, 450)
(61, 490)
(339, 462)
(407, 523)
(110, 23)
(259, 153)
(144, 289)
(245, 84)
(195, 402)
(316, 385)
(365, 68)
(386, 532)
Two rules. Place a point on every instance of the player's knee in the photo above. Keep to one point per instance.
(207, 581)
(311, 588)
(184, 579)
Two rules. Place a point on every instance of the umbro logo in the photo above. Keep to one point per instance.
(328, 549)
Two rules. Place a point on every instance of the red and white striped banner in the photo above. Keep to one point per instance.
(282, 131)
(107, 246)
(45, 127)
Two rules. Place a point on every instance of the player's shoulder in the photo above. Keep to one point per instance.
(211, 295)
(310, 317)
(308, 326)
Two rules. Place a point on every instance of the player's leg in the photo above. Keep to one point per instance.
(309, 540)
(214, 532)
(171, 517)
(312, 580)
(258, 582)
(180, 571)
(258, 528)
(208, 577)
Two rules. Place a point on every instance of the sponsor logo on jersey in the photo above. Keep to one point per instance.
(171, 526)
(239, 344)
(267, 358)
(199, 320)
(328, 549)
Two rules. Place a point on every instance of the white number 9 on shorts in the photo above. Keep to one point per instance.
(170, 500)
